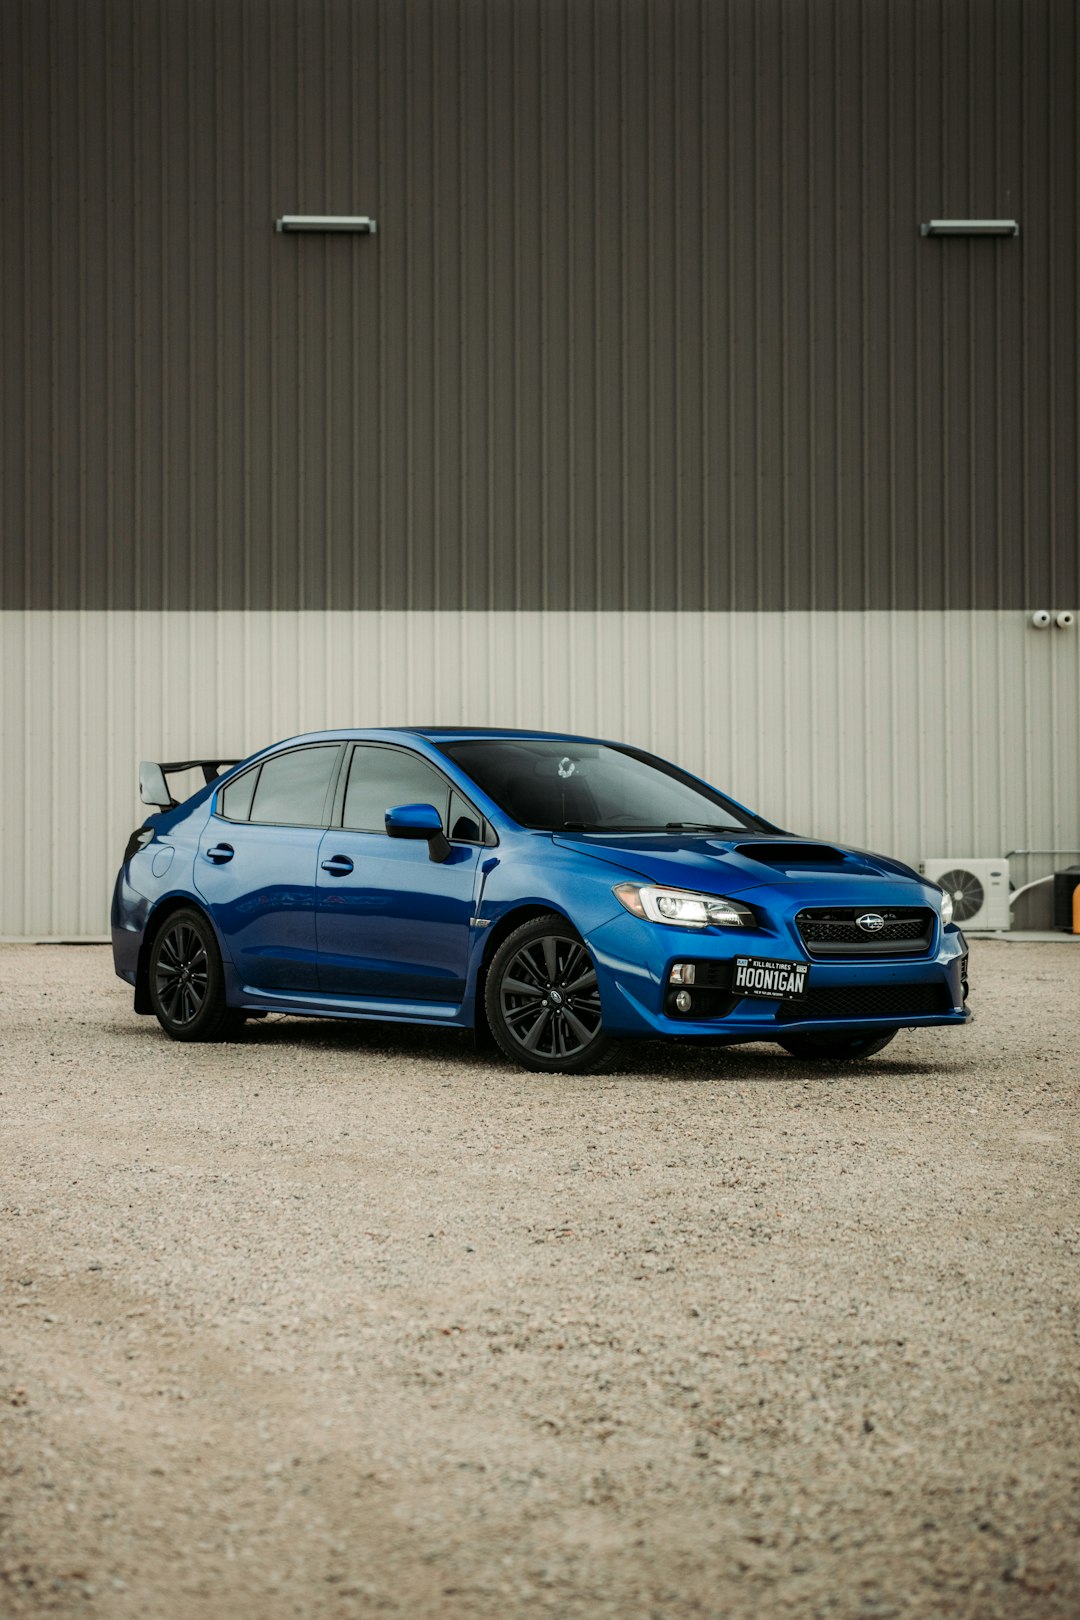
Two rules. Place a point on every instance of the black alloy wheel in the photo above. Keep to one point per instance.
(543, 1000)
(837, 1048)
(187, 981)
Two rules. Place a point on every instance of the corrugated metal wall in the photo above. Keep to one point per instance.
(916, 733)
(648, 321)
(648, 409)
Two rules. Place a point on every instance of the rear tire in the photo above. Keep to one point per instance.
(543, 1000)
(187, 981)
(834, 1049)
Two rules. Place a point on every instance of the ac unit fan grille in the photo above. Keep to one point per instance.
(968, 894)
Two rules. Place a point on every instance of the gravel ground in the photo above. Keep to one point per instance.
(347, 1320)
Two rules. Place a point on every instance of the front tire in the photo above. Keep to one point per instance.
(833, 1049)
(543, 1000)
(187, 980)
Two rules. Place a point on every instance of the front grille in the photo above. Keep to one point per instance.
(868, 1001)
(834, 931)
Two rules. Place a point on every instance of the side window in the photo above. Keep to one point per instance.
(380, 778)
(464, 823)
(291, 791)
(235, 800)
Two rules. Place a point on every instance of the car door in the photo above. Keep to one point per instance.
(257, 861)
(394, 925)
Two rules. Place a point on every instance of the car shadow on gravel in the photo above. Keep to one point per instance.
(637, 1060)
(659, 1060)
(761, 1063)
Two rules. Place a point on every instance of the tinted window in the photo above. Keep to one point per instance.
(235, 800)
(382, 778)
(292, 787)
(464, 823)
(591, 786)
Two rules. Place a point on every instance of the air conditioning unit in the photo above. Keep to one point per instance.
(979, 889)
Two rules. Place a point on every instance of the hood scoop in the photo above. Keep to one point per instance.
(791, 854)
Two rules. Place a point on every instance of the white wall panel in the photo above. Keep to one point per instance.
(912, 732)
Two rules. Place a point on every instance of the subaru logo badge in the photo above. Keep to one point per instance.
(870, 922)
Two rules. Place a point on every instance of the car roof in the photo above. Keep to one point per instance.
(457, 733)
(436, 734)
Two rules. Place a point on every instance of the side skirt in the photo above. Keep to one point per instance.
(309, 1005)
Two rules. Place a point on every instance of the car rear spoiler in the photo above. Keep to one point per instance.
(153, 788)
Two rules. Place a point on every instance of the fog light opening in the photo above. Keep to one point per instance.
(684, 1001)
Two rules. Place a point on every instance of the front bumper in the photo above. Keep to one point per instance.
(634, 960)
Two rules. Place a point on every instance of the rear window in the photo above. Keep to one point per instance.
(288, 790)
(292, 788)
(235, 800)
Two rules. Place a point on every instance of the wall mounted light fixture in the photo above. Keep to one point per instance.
(970, 227)
(358, 223)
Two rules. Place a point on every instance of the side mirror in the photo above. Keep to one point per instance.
(419, 821)
(152, 787)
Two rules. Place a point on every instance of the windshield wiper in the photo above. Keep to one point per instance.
(602, 827)
(699, 826)
(668, 826)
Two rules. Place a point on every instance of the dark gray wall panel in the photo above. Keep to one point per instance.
(648, 321)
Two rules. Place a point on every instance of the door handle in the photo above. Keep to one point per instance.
(220, 853)
(338, 865)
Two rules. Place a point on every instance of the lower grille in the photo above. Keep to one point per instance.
(710, 993)
(712, 975)
(834, 931)
(868, 1001)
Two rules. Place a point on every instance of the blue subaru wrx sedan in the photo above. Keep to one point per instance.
(559, 891)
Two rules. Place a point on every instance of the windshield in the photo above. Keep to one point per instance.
(592, 787)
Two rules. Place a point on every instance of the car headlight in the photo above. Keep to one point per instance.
(681, 908)
(946, 909)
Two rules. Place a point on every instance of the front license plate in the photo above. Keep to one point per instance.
(773, 981)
